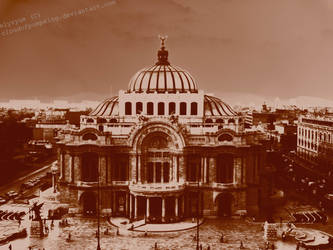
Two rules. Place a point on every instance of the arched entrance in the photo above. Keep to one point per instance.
(157, 159)
(88, 200)
(224, 202)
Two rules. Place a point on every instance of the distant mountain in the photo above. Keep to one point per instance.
(256, 101)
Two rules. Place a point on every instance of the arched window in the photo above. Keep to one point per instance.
(139, 108)
(182, 108)
(101, 120)
(194, 108)
(172, 108)
(113, 120)
(89, 136)
(231, 121)
(208, 120)
(128, 108)
(90, 120)
(225, 137)
(150, 108)
(160, 108)
(219, 120)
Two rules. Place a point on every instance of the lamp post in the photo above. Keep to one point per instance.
(54, 169)
(198, 214)
(98, 219)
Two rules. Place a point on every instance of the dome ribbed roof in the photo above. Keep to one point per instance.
(108, 107)
(162, 79)
(214, 106)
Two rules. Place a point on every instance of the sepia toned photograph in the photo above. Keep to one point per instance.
(166, 124)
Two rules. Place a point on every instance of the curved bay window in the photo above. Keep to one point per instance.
(157, 159)
(120, 167)
(89, 167)
(225, 168)
(193, 172)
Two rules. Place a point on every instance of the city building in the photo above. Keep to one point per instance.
(314, 134)
(162, 150)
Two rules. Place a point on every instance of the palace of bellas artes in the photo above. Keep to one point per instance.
(161, 150)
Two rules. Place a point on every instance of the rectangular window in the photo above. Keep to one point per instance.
(182, 110)
(172, 108)
(194, 108)
(138, 108)
(150, 108)
(128, 108)
(160, 108)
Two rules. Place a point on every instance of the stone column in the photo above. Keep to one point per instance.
(139, 169)
(127, 204)
(162, 173)
(131, 206)
(147, 208)
(181, 167)
(154, 172)
(205, 169)
(72, 168)
(132, 168)
(102, 169)
(183, 206)
(113, 203)
(174, 168)
(135, 207)
(109, 169)
(163, 209)
(176, 206)
(237, 170)
(212, 165)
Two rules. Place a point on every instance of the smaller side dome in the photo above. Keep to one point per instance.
(216, 107)
(108, 107)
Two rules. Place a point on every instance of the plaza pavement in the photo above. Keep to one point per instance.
(83, 235)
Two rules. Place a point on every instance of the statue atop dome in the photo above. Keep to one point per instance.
(162, 54)
(162, 38)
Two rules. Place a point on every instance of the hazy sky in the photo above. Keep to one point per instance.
(274, 48)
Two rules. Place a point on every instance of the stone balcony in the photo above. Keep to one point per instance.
(87, 183)
(95, 183)
(156, 188)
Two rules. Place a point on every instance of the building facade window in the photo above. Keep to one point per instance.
(172, 108)
(139, 108)
(120, 167)
(89, 170)
(150, 108)
(182, 110)
(160, 108)
(128, 108)
(194, 108)
(225, 168)
(193, 172)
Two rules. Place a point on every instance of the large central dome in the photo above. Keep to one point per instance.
(162, 77)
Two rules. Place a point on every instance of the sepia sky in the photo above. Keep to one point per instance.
(262, 48)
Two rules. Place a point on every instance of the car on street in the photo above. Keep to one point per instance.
(11, 194)
(3, 200)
